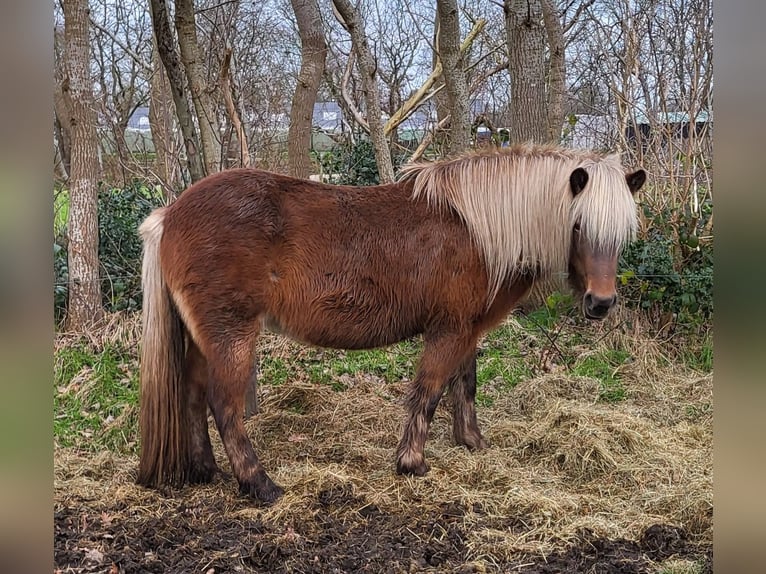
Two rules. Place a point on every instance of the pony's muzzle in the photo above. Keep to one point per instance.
(597, 306)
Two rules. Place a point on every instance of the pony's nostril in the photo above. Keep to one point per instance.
(596, 306)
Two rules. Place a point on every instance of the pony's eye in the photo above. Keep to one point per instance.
(576, 228)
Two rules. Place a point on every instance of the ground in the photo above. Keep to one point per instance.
(577, 479)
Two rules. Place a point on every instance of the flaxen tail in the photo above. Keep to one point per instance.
(162, 420)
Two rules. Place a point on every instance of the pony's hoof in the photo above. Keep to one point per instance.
(264, 490)
(202, 474)
(476, 444)
(418, 469)
(472, 441)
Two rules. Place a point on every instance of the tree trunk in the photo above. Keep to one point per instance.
(313, 55)
(526, 64)
(161, 125)
(84, 307)
(454, 75)
(366, 65)
(61, 127)
(537, 91)
(172, 63)
(210, 133)
(557, 70)
(227, 88)
(440, 138)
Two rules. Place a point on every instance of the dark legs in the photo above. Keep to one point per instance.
(440, 360)
(202, 466)
(465, 428)
(230, 374)
(222, 380)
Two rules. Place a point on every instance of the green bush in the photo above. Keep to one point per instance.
(671, 269)
(120, 212)
(354, 164)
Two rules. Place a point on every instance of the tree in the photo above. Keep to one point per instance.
(121, 48)
(448, 45)
(313, 55)
(163, 126)
(84, 307)
(349, 18)
(536, 87)
(172, 63)
(207, 118)
(61, 127)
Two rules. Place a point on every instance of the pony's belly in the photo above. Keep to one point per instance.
(341, 333)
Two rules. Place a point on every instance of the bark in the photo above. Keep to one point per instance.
(454, 75)
(313, 55)
(526, 64)
(61, 124)
(161, 124)
(556, 70)
(366, 64)
(172, 64)
(210, 133)
(84, 307)
(439, 137)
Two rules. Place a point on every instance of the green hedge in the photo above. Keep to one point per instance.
(670, 269)
(120, 212)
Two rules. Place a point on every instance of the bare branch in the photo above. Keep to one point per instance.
(136, 58)
(423, 93)
(231, 109)
(358, 117)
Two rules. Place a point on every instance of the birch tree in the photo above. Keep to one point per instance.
(84, 307)
(533, 28)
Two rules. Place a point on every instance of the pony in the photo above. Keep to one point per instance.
(444, 252)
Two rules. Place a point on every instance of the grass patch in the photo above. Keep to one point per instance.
(700, 356)
(275, 371)
(60, 210)
(392, 364)
(604, 366)
(95, 398)
(680, 566)
(500, 364)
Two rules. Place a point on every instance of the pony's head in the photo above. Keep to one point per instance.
(602, 220)
(538, 210)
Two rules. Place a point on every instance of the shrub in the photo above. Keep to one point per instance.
(670, 269)
(354, 164)
(120, 212)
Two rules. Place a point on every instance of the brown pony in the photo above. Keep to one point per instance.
(445, 252)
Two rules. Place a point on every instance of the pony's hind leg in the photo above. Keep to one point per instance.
(441, 357)
(465, 427)
(230, 366)
(202, 466)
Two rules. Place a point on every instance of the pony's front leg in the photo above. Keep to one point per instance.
(440, 358)
(465, 427)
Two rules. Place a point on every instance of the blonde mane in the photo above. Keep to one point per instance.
(518, 206)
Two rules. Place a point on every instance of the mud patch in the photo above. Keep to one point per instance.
(344, 534)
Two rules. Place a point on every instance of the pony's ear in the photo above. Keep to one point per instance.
(635, 180)
(577, 180)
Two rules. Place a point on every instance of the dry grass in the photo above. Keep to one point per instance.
(120, 328)
(561, 461)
